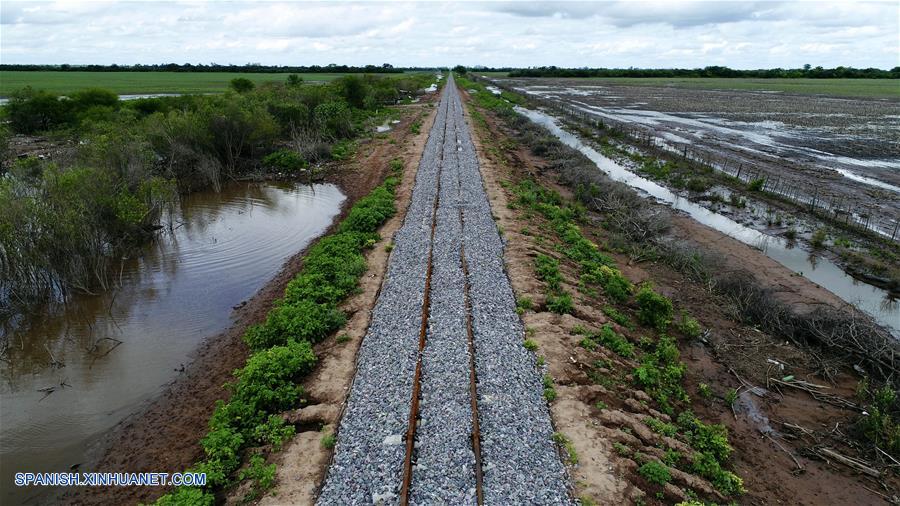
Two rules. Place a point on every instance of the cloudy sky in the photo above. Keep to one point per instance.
(739, 34)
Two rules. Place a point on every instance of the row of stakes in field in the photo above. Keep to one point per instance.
(832, 207)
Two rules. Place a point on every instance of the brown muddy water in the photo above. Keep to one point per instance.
(66, 381)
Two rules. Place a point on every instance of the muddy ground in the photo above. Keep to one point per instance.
(777, 435)
(164, 437)
(835, 150)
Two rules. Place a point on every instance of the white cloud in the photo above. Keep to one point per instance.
(741, 34)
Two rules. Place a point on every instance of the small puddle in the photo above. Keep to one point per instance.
(872, 300)
(223, 248)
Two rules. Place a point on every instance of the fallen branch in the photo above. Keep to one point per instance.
(785, 450)
(863, 467)
(814, 390)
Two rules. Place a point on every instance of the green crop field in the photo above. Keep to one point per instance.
(125, 83)
(865, 88)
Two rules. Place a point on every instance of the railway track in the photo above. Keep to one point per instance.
(446, 406)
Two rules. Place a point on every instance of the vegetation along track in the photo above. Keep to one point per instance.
(446, 406)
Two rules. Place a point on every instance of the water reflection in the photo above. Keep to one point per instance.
(66, 380)
(820, 270)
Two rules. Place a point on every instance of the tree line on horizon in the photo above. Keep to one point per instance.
(807, 71)
(252, 68)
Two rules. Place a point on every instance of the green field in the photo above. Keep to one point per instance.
(867, 88)
(125, 83)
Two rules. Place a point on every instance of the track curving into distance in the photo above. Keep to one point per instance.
(446, 406)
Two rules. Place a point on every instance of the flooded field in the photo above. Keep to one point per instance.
(872, 300)
(841, 151)
(71, 376)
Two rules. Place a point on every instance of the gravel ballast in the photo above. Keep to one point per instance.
(521, 464)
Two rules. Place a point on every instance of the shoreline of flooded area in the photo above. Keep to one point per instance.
(71, 376)
(840, 154)
(822, 271)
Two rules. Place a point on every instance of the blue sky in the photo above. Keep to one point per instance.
(739, 34)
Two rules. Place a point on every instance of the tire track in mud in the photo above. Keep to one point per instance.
(442, 367)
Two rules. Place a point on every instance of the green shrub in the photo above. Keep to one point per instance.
(617, 316)
(689, 326)
(614, 341)
(655, 472)
(549, 391)
(524, 304)
(560, 304)
(302, 320)
(262, 476)
(267, 382)
(328, 441)
(285, 160)
(655, 310)
(756, 184)
(698, 184)
(818, 238)
(371, 211)
(343, 150)
(566, 443)
(547, 270)
(660, 427)
(707, 438)
(530, 345)
(186, 496)
(242, 85)
(881, 425)
(223, 445)
(274, 431)
(661, 373)
(704, 390)
(726, 482)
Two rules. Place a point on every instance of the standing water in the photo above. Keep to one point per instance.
(822, 271)
(65, 380)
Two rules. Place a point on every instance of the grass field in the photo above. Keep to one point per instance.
(867, 88)
(125, 83)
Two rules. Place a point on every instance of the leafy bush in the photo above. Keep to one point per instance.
(241, 85)
(707, 438)
(881, 425)
(302, 320)
(30, 111)
(658, 426)
(187, 496)
(274, 431)
(617, 316)
(614, 341)
(655, 310)
(524, 304)
(547, 270)
(549, 391)
(371, 211)
(285, 160)
(655, 472)
(267, 382)
(726, 482)
(661, 373)
(567, 444)
(262, 475)
(698, 184)
(756, 185)
(689, 326)
(818, 238)
(560, 303)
